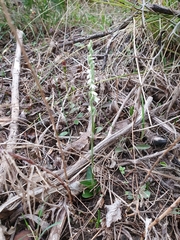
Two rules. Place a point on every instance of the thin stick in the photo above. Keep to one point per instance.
(108, 49)
(119, 112)
(123, 25)
(167, 212)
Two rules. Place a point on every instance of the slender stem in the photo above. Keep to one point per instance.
(143, 116)
(92, 97)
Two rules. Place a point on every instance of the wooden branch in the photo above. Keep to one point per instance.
(121, 26)
(164, 10)
(166, 213)
(57, 229)
(15, 96)
(11, 142)
(153, 7)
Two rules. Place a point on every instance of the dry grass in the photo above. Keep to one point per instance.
(35, 193)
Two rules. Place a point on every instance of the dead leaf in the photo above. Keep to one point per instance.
(112, 163)
(121, 125)
(76, 188)
(25, 235)
(58, 59)
(80, 144)
(113, 108)
(5, 214)
(113, 212)
(52, 45)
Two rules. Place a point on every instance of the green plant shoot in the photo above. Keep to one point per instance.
(92, 94)
(90, 183)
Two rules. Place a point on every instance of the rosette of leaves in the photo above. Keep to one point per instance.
(90, 184)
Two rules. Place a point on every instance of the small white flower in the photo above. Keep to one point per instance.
(96, 99)
(91, 81)
(89, 108)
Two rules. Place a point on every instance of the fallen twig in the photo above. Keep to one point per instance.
(15, 95)
(57, 229)
(123, 25)
(108, 49)
(161, 9)
(119, 112)
(167, 212)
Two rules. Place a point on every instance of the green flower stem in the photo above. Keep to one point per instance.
(92, 96)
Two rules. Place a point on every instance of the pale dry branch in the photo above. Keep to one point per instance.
(11, 142)
(57, 229)
(15, 95)
(165, 213)
(108, 49)
(147, 157)
(119, 111)
(175, 96)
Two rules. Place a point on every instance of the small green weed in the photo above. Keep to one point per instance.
(131, 110)
(144, 192)
(176, 211)
(35, 17)
(36, 234)
(65, 133)
(129, 195)
(78, 118)
(99, 129)
(143, 146)
(163, 164)
(98, 220)
(119, 149)
(122, 170)
(76, 122)
(52, 225)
